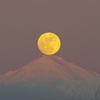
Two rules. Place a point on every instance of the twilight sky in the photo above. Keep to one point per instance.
(77, 23)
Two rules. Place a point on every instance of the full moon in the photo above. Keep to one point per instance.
(49, 43)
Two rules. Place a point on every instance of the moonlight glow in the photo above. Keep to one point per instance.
(49, 43)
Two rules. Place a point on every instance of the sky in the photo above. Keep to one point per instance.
(77, 23)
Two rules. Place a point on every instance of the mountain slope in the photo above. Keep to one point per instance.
(46, 68)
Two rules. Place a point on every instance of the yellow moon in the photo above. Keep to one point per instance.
(49, 43)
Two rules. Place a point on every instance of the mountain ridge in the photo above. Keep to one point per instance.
(46, 68)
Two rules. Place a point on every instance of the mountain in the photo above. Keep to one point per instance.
(85, 89)
(46, 68)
